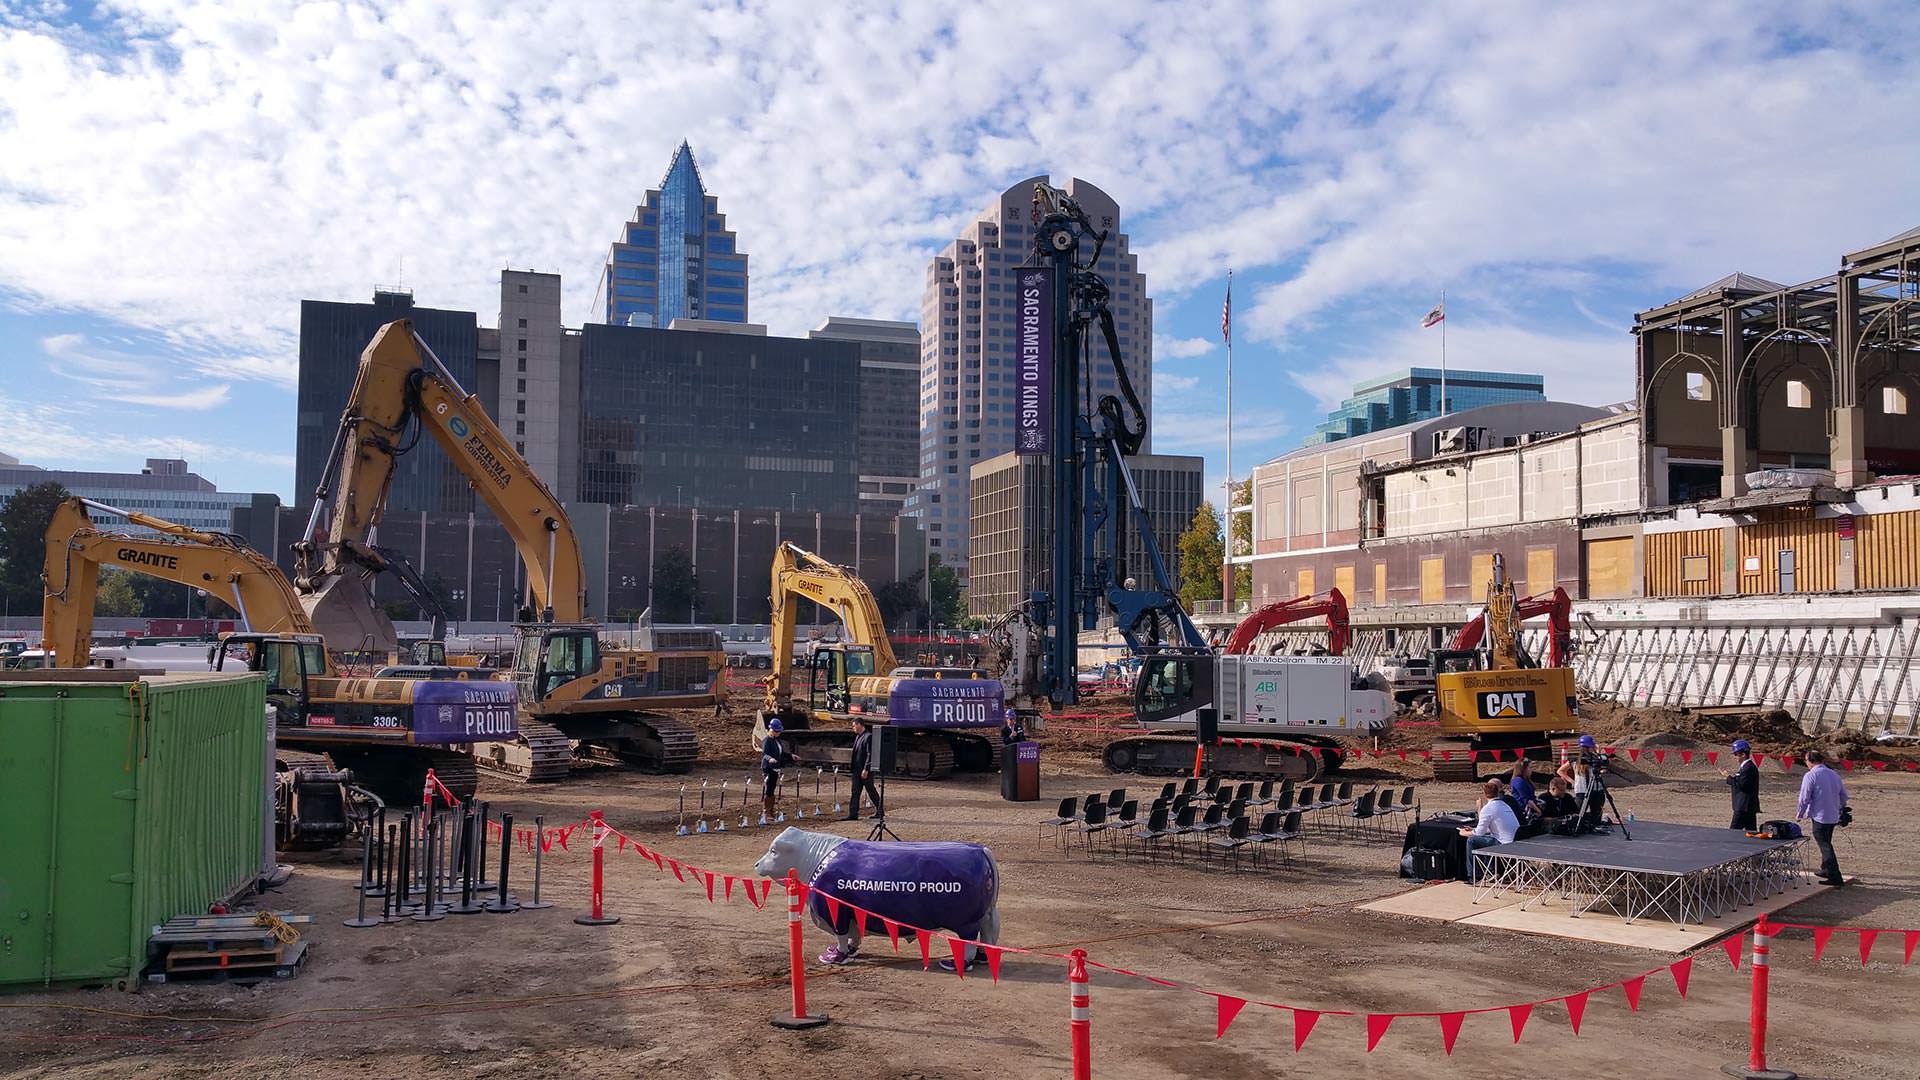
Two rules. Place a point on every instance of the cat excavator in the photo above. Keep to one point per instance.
(1505, 700)
(573, 685)
(947, 718)
(387, 732)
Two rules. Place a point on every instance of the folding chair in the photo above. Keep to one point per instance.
(1095, 823)
(1291, 830)
(1361, 815)
(1265, 795)
(1060, 820)
(1384, 804)
(1183, 826)
(1212, 785)
(1115, 798)
(1265, 834)
(1190, 785)
(1244, 794)
(1407, 805)
(1283, 802)
(1127, 821)
(1153, 835)
(1166, 793)
(1345, 797)
(1232, 841)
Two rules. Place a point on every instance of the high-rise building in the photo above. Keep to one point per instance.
(697, 418)
(1010, 547)
(332, 337)
(889, 431)
(165, 488)
(675, 258)
(967, 369)
(1413, 394)
(532, 345)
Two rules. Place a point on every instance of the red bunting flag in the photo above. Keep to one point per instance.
(546, 840)
(1472, 755)
(659, 860)
(1847, 764)
(926, 947)
(754, 898)
(1303, 1021)
(1632, 989)
(1576, 1008)
(1880, 765)
(726, 890)
(893, 932)
(1786, 761)
(1659, 757)
(1377, 1025)
(708, 875)
(1866, 944)
(1820, 937)
(1450, 1029)
(993, 961)
(1403, 757)
(1633, 753)
(622, 845)
(1445, 755)
(1759, 760)
(1228, 1008)
(859, 920)
(833, 912)
(1682, 970)
(675, 867)
(1733, 946)
(958, 946)
(1686, 757)
(1610, 751)
(1517, 1016)
(1426, 755)
(1913, 938)
(766, 886)
(564, 833)
(1713, 757)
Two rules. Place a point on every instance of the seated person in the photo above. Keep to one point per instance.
(1521, 789)
(1559, 800)
(1497, 824)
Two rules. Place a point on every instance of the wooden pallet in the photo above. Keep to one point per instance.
(281, 962)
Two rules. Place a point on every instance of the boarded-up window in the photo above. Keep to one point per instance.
(1609, 568)
(1482, 575)
(1304, 583)
(1343, 580)
(1380, 583)
(1695, 568)
(1540, 571)
(1433, 580)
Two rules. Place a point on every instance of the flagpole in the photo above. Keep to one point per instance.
(1226, 577)
(1443, 352)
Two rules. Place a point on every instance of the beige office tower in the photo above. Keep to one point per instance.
(966, 350)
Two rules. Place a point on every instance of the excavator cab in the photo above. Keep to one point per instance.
(288, 661)
(550, 657)
(829, 669)
(1172, 685)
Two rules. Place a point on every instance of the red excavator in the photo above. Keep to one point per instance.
(1282, 612)
(1557, 606)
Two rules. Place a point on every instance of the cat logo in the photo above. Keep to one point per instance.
(1508, 705)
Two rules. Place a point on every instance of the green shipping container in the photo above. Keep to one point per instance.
(123, 804)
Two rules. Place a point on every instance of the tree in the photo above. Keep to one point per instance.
(676, 590)
(949, 603)
(23, 543)
(117, 597)
(1243, 541)
(902, 602)
(1200, 555)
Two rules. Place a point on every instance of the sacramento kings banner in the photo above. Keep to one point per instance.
(1033, 430)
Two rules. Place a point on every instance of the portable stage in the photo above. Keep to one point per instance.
(1682, 873)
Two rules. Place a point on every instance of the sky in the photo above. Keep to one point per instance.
(176, 176)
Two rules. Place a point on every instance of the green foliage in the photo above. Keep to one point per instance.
(1243, 541)
(902, 603)
(117, 596)
(676, 590)
(949, 602)
(1201, 550)
(23, 544)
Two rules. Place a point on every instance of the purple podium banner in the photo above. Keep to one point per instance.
(464, 710)
(1033, 355)
(945, 703)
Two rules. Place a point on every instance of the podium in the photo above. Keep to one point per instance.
(1020, 772)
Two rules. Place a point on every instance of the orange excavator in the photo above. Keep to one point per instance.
(1281, 612)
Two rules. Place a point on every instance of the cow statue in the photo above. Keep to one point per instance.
(947, 886)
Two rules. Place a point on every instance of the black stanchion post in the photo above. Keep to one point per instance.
(470, 854)
(403, 861)
(539, 855)
(380, 844)
(360, 920)
(429, 910)
(386, 875)
(503, 904)
(480, 882)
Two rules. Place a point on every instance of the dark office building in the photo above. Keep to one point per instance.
(889, 452)
(332, 337)
(691, 418)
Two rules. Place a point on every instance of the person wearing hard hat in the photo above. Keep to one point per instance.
(774, 756)
(1744, 779)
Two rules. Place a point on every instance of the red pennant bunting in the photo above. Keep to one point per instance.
(1733, 946)
(766, 886)
(659, 860)
(993, 961)
(1786, 761)
(1686, 757)
(958, 947)
(1866, 944)
(546, 841)
(1450, 1029)
(1610, 750)
(1879, 765)
(1913, 938)
(1820, 937)
(859, 920)
(1403, 757)
(1377, 1025)
(622, 845)
(1576, 1008)
(833, 912)
(926, 947)
(1713, 757)
(1632, 990)
(1846, 764)
(1303, 1021)
(1633, 753)
(708, 875)
(1426, 755)
(754, 898)
(1228, 1008)
(1445, 755)
(1659, 757)
(1473, 755)
(893, 932)
(1682, 970)
(1517, 1016)
(675, 867)
(726, 890)
(1759, 760)
(564, 833)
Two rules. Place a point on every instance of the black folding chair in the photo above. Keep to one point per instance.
(1190, 785)
(1230, 843)
(1095, 823)
(1183, 826)
(1153, 836)
(1115, 798)
(1265, 796)
(1361, 815)
(1128, 820)
(1166, 793)
(1065, 817)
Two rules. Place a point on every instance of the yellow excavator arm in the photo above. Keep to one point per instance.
(219, 564)
(401, 382)
(799, 574)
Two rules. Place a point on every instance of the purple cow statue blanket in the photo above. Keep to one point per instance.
(947, 886)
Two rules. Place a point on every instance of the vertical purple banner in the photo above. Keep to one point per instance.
(1033, 352)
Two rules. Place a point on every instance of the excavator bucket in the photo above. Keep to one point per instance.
(343, 611)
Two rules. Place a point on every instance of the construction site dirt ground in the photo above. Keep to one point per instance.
(681, 987)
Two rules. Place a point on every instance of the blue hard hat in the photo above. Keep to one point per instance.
(1587, 743)
(774, 727)
(1740, 746)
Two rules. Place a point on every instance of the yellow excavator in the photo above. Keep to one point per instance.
(947, 718)
(1505, 701)
(388, 732)
(573, 685)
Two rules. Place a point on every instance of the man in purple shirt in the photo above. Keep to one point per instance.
(1822, 798)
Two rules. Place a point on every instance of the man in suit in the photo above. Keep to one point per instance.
(1745, 782)
(863, 764)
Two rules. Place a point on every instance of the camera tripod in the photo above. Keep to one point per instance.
(880, 830)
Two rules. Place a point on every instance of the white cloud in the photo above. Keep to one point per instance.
(1165, 382)
(74, 437)
(205, 398)
(1588, 369)
(1173, 348)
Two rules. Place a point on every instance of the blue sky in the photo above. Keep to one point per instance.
(175, 176)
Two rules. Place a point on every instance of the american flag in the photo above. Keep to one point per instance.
(1438, 314)
(1226, 313)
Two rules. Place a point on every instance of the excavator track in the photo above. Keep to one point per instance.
(1172, 755)
(649, 742)
(922, 755)
(1458, 767)
(398, 774)
(541, 755)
